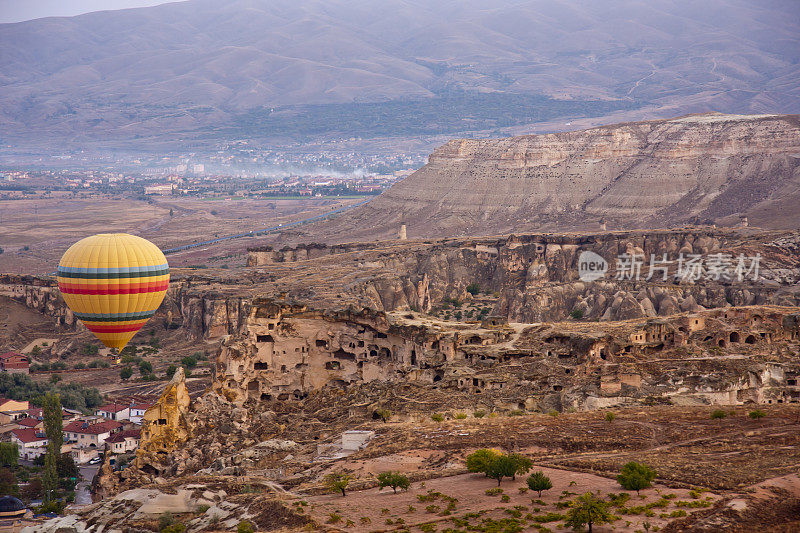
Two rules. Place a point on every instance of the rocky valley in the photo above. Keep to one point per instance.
(500, 340)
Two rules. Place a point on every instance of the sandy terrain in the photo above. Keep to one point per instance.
(47, 227)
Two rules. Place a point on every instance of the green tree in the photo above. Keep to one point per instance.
(479, 460)
(9, 454)
(53, 424)
(66, 467)
(384, 414)
(758, 413)
(396, 480)
(8, 482)
(539, 482)
(126, 373)
(523, 464)
(473, 289)
(636, 476)
(89, 349)
(588, 510)
(145, 368)
(337, 482)
(502, 466)
(189, 361)
(36, 350)
(171, 369)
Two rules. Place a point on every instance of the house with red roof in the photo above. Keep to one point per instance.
(89, 433)
(123, 441)
(31, 442)
(114, 411)
(14, 362)
(138, 410)
(29, 422)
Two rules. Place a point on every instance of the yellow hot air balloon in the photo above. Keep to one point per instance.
(113, 282)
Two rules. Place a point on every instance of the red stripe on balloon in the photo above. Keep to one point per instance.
(130, 288)
(114, 329)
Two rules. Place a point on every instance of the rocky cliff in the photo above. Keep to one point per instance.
(700, 168)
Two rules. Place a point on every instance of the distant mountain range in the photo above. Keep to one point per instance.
(363, 67)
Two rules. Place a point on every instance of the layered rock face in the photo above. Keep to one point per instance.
(287, 353)
(646, 174)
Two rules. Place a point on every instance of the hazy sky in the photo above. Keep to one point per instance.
(19, 10)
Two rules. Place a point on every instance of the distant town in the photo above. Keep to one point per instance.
(187, 180)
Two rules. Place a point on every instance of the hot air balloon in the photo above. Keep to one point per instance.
(113, 282)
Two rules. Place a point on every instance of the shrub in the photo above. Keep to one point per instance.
(538, 481)
(437, 417)
(758, 413)
(717, 414)
(577, 314)
(245, 527)
(473, 289)
(384, 414)
(610, 416)
(460, 416)
(636, 476)
(125, 373)
(516, 412)
(552, 412)
(480, 413)
(393, 479)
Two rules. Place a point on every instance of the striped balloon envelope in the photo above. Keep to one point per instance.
(113, 283)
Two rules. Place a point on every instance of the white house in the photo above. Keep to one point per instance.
(137, 411)
(32, 442)
(124, 441)
(114, 411)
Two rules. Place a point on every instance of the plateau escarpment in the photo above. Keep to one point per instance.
(701, 168)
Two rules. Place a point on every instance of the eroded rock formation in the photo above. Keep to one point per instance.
(659, 173)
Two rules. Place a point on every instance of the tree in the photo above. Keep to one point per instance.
(8, 482)
(523, 464)
(89, 349)
(126, 373)
(189, 362)
(473, 289)
(171, 369)
(9, 454)
(635, 476)
(393, 479)
(53, 424)
(539, 482)
(66, 467)
(588, 510)
(36, 350)
(145, 368)
(480, 460)
(502, 466)
(336, 482)
(55, 378)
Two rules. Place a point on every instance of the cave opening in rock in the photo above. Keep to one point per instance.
(735, 336)
(260, 365)
(750, 339)
(264, 338)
